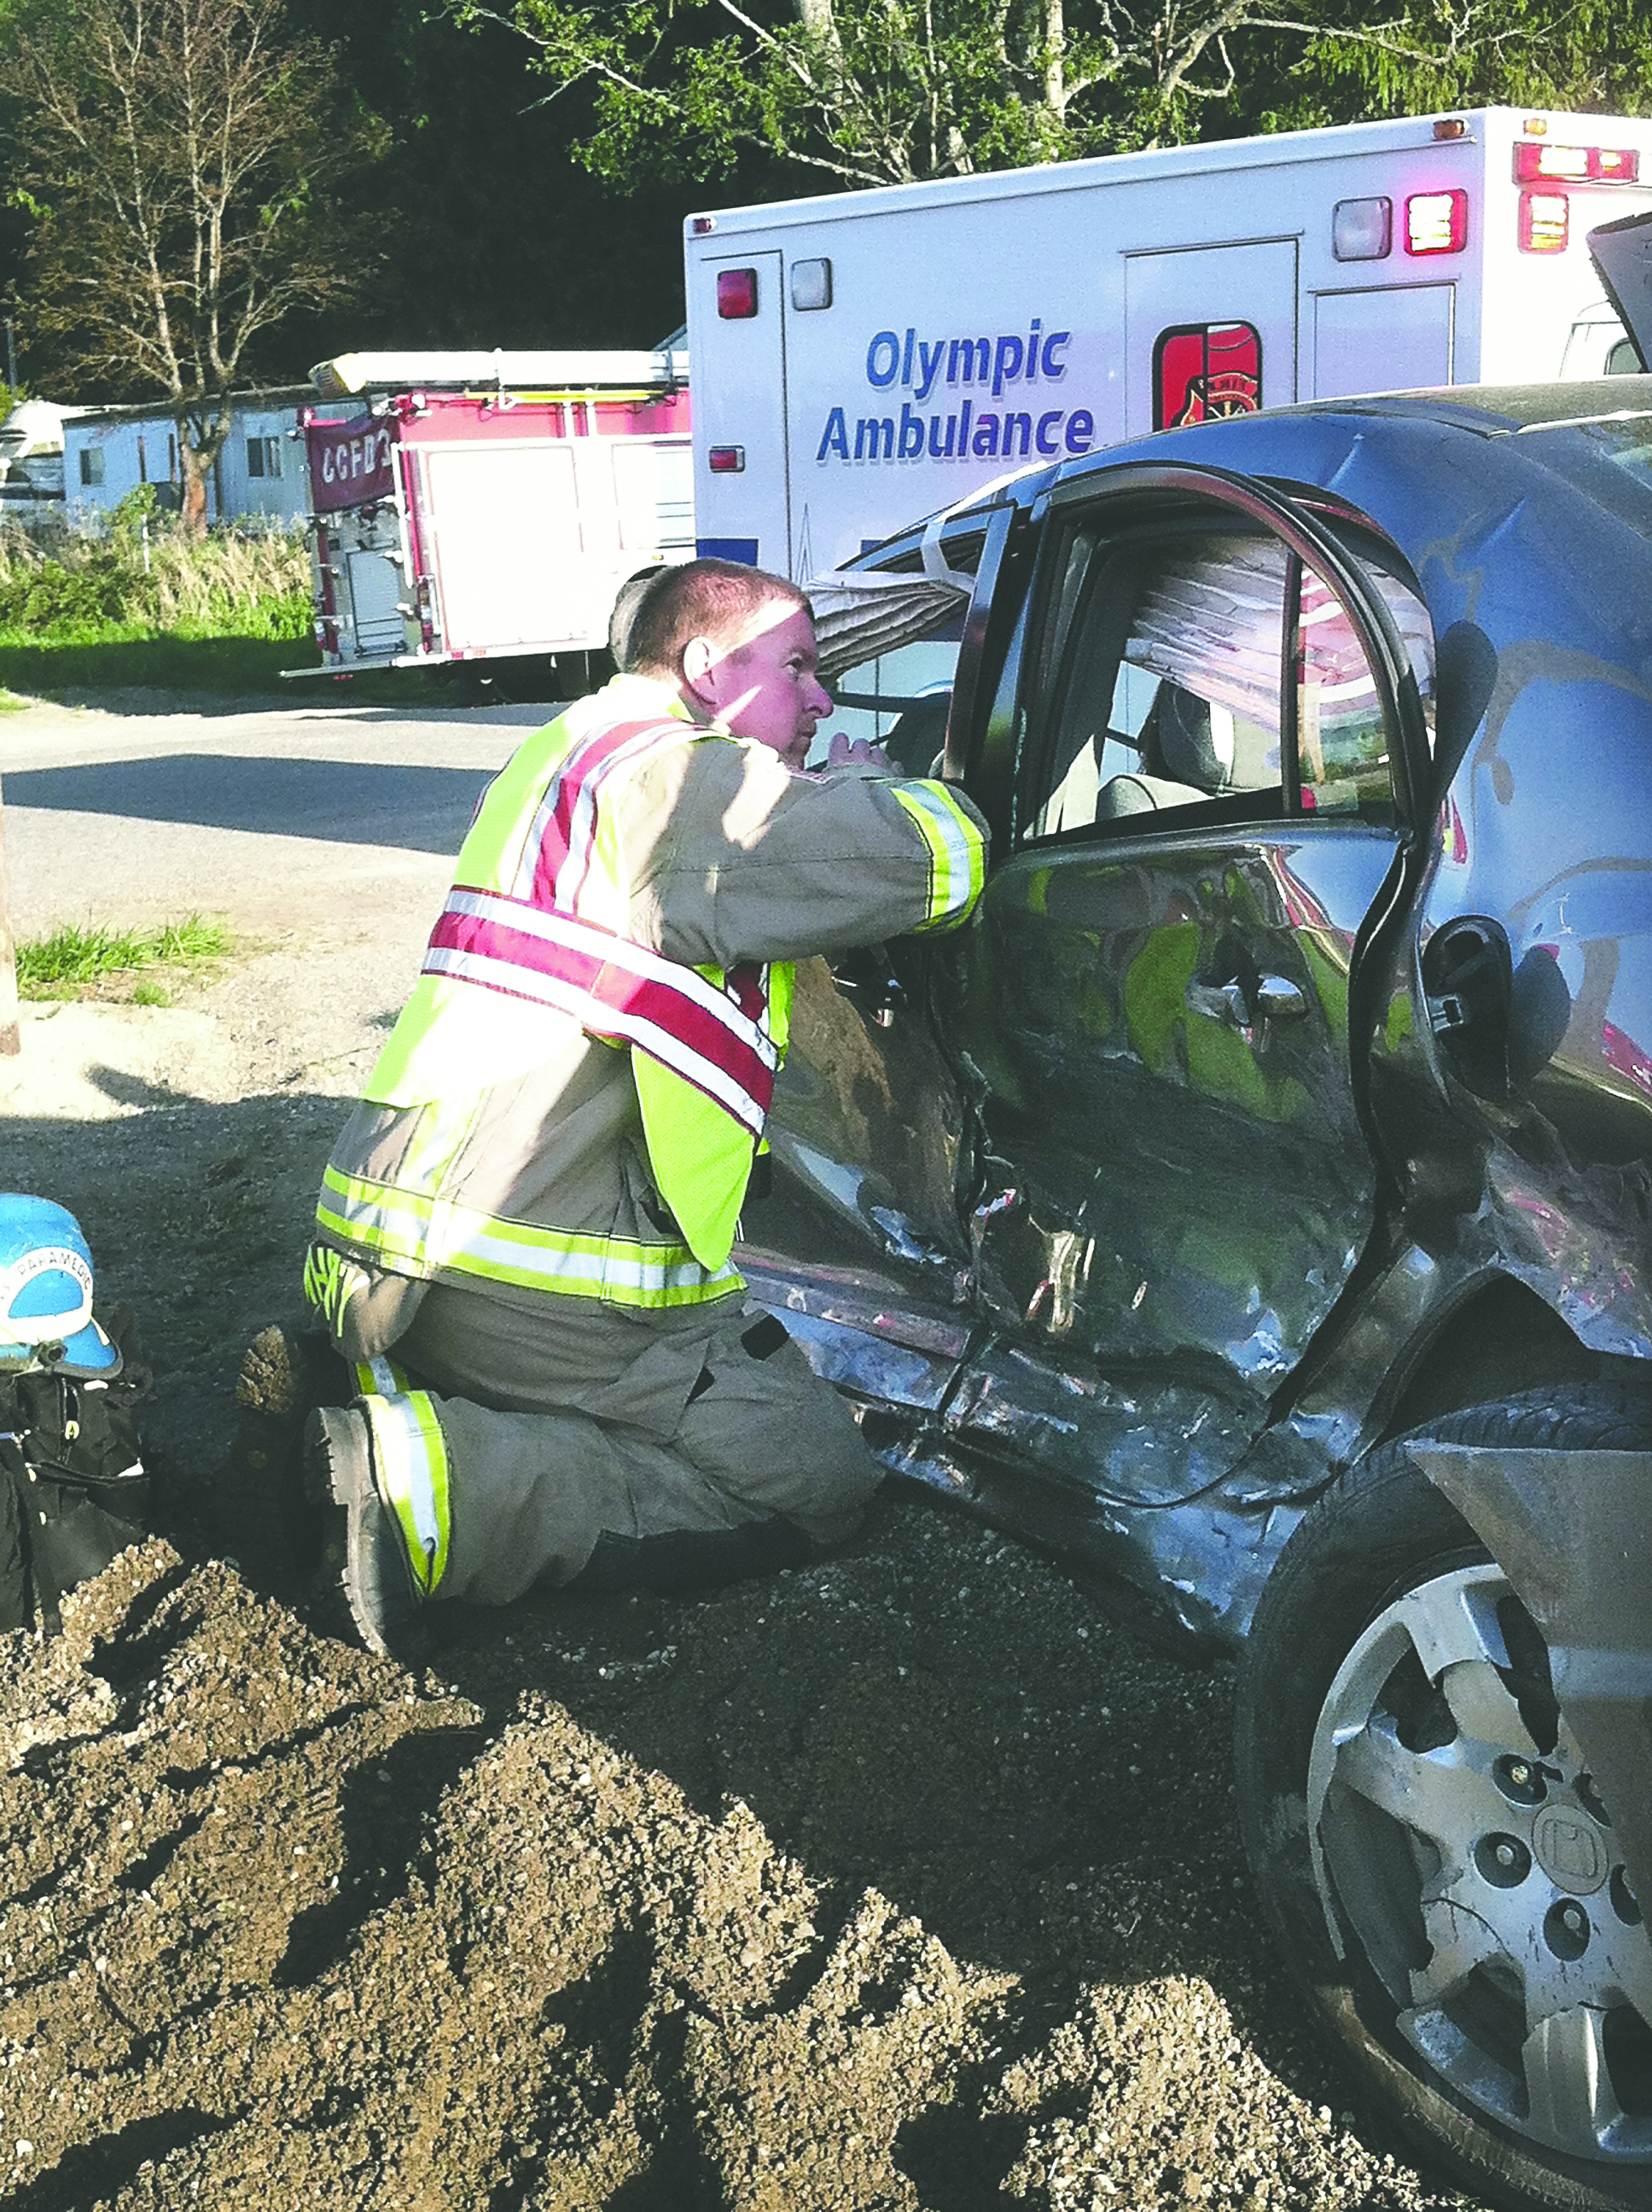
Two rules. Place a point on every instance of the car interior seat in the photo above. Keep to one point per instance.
(920, 736)
(1184, 758)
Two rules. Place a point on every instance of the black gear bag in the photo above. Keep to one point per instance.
(72, 1491)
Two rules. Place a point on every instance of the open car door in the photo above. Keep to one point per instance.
(1622, 253)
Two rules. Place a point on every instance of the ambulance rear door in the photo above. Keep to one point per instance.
(737, 320)
(1209, 330)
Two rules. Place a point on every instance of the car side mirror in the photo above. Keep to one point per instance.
(1468, 986)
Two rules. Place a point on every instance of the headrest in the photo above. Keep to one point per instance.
(1195, 740)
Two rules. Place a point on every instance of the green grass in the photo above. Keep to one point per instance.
(75, 963)
(146, 605)
(123, 656)
(126, 658)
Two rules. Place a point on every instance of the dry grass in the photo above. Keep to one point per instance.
(240, 580)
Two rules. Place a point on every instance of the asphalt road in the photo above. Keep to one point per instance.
(273, 820)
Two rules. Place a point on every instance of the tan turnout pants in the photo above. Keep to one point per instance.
(660, 1450)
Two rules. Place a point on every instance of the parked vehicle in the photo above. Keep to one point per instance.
(488, 507)
(1253, 1201)
(868, 357)
(31, 458)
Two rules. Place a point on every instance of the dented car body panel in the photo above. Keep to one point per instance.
(1231, 1134)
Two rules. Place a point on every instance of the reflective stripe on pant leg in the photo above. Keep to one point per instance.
(381, 1378)
(410, 1459)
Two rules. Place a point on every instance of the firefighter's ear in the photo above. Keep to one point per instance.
(699, 657)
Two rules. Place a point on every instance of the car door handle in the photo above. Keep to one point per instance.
(1222, 1002)
(1274, 998)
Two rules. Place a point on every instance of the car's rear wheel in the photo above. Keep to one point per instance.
(1427, 1840)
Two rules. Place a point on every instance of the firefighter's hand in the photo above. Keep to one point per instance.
(860, 750)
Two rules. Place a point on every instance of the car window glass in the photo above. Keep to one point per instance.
(1169, 695)
(900, 701)
(1343, 739)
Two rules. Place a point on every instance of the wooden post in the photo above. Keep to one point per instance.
(11, 1036)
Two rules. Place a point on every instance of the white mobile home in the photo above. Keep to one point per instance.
(109, 450)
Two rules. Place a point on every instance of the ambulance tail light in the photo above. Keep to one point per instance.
(737, 294)
(726, 460)
(1575, 165)
(1436, 222)
(1545, 222)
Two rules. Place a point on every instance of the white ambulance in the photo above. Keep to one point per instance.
(871, 357)
(488, 507)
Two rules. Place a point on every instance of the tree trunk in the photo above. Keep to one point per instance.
(1055, 43)
(194, 467)
(11, 1038)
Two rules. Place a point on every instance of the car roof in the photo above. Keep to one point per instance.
(1258, 443)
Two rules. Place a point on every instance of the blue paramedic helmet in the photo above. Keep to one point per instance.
(45, 1290)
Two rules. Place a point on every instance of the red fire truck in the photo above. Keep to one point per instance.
(469, 506)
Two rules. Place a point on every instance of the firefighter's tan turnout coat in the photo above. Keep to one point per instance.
(533, 1206)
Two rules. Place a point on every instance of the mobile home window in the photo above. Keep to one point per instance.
(91, 464)
(263, 457)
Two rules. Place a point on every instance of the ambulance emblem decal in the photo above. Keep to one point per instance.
(1204, 370)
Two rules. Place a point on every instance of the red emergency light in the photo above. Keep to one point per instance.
(1545, 222)
(1577, 164)
(737, 294)
(725, 460)
(1436, 222)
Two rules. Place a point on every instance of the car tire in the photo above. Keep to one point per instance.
(1369, 1804)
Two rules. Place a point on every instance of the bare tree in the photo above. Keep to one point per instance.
(177, 156)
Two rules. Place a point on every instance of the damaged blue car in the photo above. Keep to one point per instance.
(1253, 1203)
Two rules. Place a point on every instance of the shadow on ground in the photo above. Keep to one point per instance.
(376, 802)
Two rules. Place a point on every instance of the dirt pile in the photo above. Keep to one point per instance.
(902, 1881)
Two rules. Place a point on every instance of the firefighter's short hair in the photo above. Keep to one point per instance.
(655, 617)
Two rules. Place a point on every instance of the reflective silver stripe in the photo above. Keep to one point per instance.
(957, 859)
(566, 932)
(410, 1461)
(503, 1251)
(422, 1236)
(582, 827)
(620, 952)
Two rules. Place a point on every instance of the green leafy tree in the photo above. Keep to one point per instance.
(180, 158)
(871, 92)
(492, 234)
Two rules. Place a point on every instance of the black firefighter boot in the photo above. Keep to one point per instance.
(263, 1517)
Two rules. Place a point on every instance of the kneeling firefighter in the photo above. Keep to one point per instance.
(525, 1229)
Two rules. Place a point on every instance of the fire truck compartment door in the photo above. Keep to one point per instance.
(1236, 305)
(1393, 338)
(375, 589)
(507, 544)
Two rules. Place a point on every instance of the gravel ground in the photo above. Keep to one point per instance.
(902, 1881)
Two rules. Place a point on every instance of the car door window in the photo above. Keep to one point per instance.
(1168, 694)
(1343, 739)
(898, 700)
(1194, 672)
